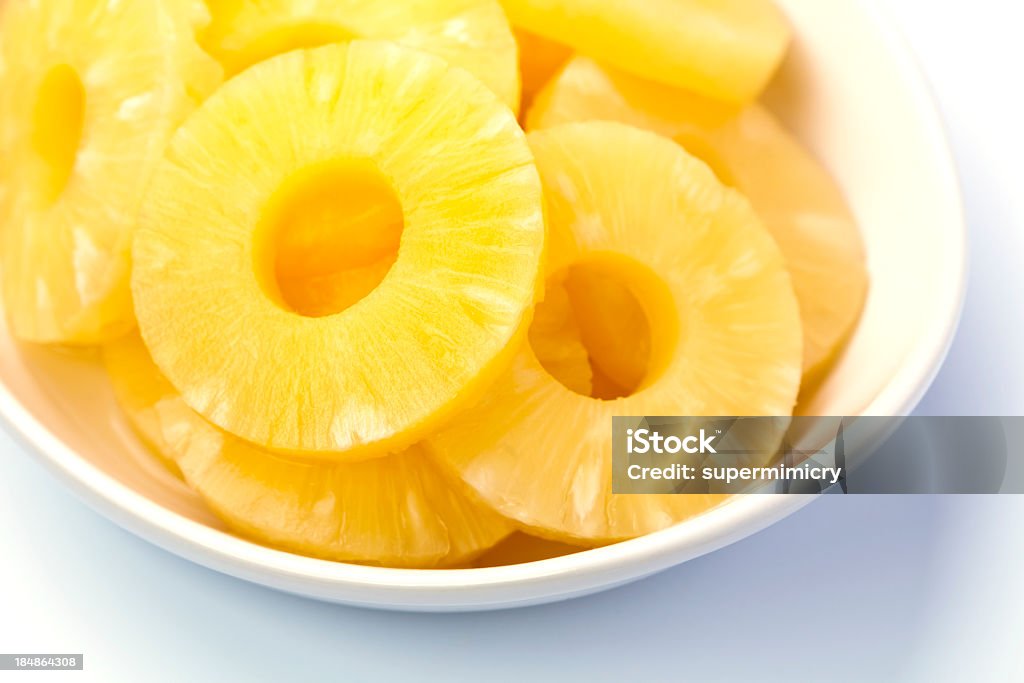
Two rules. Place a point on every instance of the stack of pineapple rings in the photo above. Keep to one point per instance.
(358, 309)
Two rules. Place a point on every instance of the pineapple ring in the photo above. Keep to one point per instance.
(725, 333)
(446, 319)
(749, 149)
(399, 510)
(92, 94)
(724, 49)
(473, 34)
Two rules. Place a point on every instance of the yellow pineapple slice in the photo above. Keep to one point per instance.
(382, 373)
(725, 49)
(799, 202)
(724, 333)
(539, 60)
(91, 94)
(472, 34)
(398, 510)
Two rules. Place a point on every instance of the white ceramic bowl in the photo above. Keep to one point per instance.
(852, 92)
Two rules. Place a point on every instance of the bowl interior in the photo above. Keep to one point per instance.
(848, 90)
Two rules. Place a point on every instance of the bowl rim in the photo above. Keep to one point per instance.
(543, 580)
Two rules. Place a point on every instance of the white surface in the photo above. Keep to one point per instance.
(847, 590)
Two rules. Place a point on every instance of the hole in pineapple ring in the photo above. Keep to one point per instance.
(607, 319)
(329, 236)
(58, 116)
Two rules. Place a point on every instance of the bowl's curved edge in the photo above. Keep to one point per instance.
(517, 585)
(921, 372)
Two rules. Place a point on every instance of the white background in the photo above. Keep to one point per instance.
(849, 589)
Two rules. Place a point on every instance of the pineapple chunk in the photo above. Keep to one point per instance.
(472, 34)
(749, 149)
(539, 60)
(724, 49)
(447, 318)
(399, 510)
(91, 94)
(724, 332)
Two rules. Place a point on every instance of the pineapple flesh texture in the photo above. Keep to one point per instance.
(724, 329)
(400, 510)
(799, 202)
(92, 91)
(445, 320)
(723, 49)
(472, 34)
